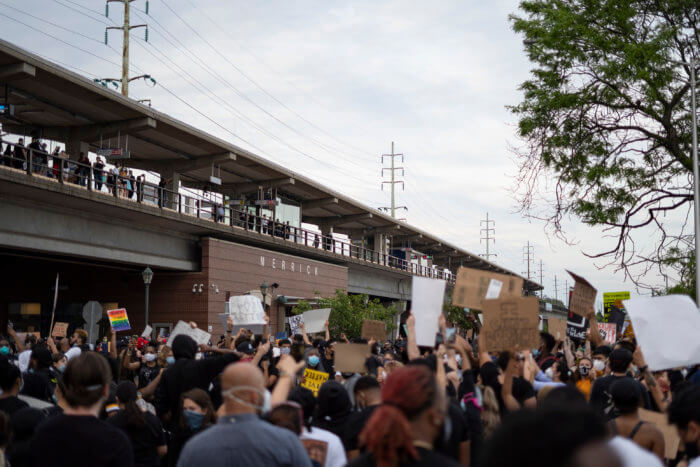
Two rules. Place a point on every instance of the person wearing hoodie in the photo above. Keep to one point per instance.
(37, 380)
(333, 411)
(185, 374)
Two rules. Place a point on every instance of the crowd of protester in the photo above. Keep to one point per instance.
(139, 401)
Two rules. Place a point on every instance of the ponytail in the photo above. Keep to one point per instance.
(134, 415)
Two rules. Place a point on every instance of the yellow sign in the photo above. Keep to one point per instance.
(613, 299)
(312, 380)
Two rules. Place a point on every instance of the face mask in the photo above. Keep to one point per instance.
(584, 370)
(54, 399)
(150, 357)
(193, 419)
(549, 373)
(285, 350)
(535, 353)
(4, 350)
(170, 359)
(275, 352)
(599, 365)
(61, 368)
(262, 409)
(684, 372)
(313, 360)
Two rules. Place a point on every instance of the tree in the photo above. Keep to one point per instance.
(606, 111)
(348, 311)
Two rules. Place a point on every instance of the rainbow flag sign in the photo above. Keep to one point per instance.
(118, 319)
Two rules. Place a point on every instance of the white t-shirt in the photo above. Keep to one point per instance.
(695, 463)
(632, 455)
(324, 445)
(23, 360)
(72, 352)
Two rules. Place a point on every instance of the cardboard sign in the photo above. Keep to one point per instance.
(576, 326)
(511, 323)
(427, 299)
(313, 380)
(146, 334)
(473, 286)
(671, 438)
(557, 328)
(59, 329)
(611, 299)
(200, 337)
(608, 331)
(350, 358)
(667, 330)
(583, 297)
(118, 319)
(246, 309)
(315, 320)
(295, 324)
(373, 329)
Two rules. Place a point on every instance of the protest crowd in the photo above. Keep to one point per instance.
(323, 399)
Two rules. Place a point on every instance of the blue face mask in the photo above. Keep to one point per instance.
(170, 359)
(313, 360)
(285, 350)
(4, 350)
(61, 368)
(535, 353)
(193, 419)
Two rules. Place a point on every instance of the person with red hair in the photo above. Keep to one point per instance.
(402, 430)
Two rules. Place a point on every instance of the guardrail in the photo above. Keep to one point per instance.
(93, 177)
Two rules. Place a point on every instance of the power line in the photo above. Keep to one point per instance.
(49, 22)
(81, 13)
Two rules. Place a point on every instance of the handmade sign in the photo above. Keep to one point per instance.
(315, 320)
(313, 380)
(350, 358)
(118, 319)
(373, 329)
(671, 438)
(608, 331)
(667, 330)
(246, 309)
(557, 328)
(583, 297)
(59, 329)
(281, 335)
(295, 324)
(427, 299)
(473, 286)
(148, 330)
(200, 337)
(511, 323)
(576, 326)
(611, 299)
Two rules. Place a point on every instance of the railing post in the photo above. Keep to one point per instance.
(90, 179)
(61, 164)
(179, 202)
(115, 190)
(199, 204)
(30, 160)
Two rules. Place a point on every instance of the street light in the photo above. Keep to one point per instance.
(263, 291)
(147, 275)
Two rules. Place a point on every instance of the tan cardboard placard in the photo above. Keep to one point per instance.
(557, 328)
(671, 438)
(474, 286)
(511, 323)
(350, 358)
(373, 329)
(583, 297)
(60, 329)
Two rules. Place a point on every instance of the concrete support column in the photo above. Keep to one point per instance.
(326, 232)
(172, 186)
(74, 145)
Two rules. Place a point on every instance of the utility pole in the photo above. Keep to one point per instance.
(556, 289)
(488, 230)
(392, 181)
(126, 28)
(528, 253)
(541, 279)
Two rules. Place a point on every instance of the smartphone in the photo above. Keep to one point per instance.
(450, 334)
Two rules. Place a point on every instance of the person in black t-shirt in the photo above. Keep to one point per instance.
(334, 409)
(77, 436)
(10, 383)
(403, 429)
(143, 428)
(149, 369)
(368, 396)
(601, 397)
(37, 381)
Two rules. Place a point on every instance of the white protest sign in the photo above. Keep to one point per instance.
(199, 336)
(427, 299)
(295, 324)
(667, 330)
(315, 320)
(146, 334)
(494, 290)
(246, 309)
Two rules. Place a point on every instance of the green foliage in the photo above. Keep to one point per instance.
(684, 263)
(606, 115)
(348, 311)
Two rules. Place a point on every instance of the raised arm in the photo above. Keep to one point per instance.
(596, 338)
(303, 334)
(411, 345)
(328, 334)
(15, 337)
(570, 361)
(649, 379)
(288, 369)
(263, 348)
(113, 344)
(510, 402)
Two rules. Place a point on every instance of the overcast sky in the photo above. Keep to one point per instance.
(324, 87)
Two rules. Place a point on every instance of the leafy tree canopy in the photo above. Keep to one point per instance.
(607, 112)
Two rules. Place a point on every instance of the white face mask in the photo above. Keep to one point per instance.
(150, 357)
(549, 373)
(599, 365)
(262, 409)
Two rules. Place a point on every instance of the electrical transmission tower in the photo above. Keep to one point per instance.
(488, 231)
(126, 28)
(392, 180)
(542, 279)
(528, 257)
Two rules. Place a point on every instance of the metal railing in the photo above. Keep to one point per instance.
(92, 177)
